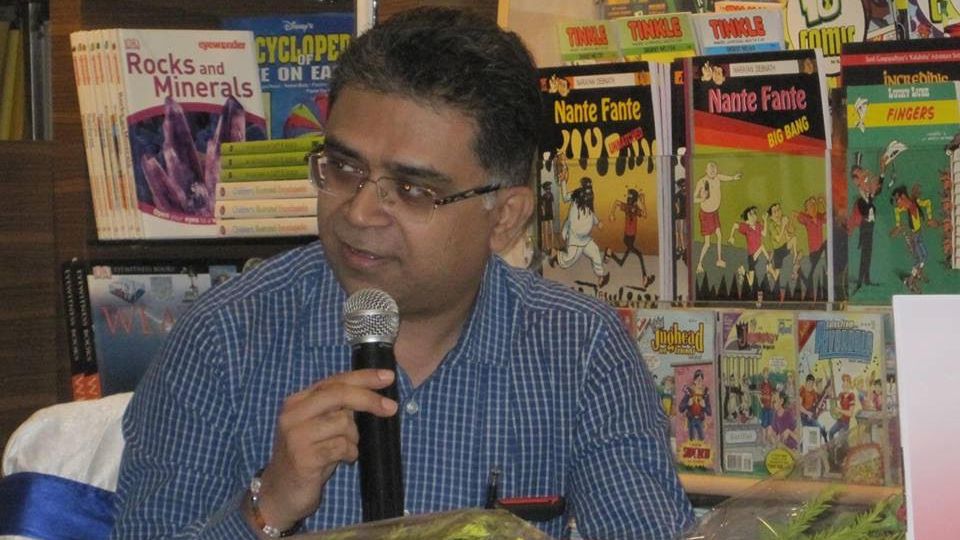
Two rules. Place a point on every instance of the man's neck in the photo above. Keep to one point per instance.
(424, 341)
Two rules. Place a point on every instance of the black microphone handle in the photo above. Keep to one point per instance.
(381, 470)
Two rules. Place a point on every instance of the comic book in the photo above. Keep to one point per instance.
(758, 366)
(897, 213)
(842, 398)
(758, 151)
(599, 201)
(659, 38)
(675, 344)
(738, 32)
(297, 55)
(933, 18)
(889, 63)
(134, 306)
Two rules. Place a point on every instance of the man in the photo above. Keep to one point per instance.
(430, 142)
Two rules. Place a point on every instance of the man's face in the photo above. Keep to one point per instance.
(425, 267)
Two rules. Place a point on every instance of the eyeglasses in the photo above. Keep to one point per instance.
(403, 198)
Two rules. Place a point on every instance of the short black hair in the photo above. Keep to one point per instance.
(460, 59)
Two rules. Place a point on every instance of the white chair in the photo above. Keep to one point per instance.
(60, 471)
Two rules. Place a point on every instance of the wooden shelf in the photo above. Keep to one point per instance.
(730, 486)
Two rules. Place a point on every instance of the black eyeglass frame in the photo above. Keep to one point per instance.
(437, 202)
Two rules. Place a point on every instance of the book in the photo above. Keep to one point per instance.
(240, 161)
(91, 135)
(587, 41)
(258, 227)
(272, 146)
(615, 9)
(134, 306)
(599, 200)
(12, 64)
(266, 208)
(901, 157)
(758, 365)
(738, 32)
(931, 19)
(841, 398)
(897, 62)
(675, 344)
(268, 189)
(297, 55)
(180, 94)
(84, 378)
(757, 147)
(284, 172)
(659, 38)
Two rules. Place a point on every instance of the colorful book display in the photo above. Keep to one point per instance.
(679, 347)
(737, 32)
(757, 177)
(157, 105)
(297, 55)
(758, 366)
(598, 191)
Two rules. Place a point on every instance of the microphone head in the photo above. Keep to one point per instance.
(371, 316)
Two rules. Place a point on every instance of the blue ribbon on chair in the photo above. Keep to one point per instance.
(52, 508)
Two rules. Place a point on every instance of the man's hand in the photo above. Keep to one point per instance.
(315, 432)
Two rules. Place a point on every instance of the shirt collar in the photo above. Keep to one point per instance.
(487, 333)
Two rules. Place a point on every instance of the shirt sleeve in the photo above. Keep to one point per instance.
(624, 482)
(179, 472)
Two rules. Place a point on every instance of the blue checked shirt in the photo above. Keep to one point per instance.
(544, 384)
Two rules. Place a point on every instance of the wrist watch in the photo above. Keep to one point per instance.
(261, 524)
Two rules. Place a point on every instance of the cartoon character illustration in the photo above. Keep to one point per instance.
(753, 231)
(577, 231)
(843, 407)
(707, 195)
(812, 402)
(665, 389)
(680, 212)
(633, 208)
(784, 237)
(695, 405)
(766, 399)
(546, 216)
(782, 427)
(918, 211)
(814, 220)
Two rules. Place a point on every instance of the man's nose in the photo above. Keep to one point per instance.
(365, 208)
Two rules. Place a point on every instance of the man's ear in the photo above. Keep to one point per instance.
(514, 208)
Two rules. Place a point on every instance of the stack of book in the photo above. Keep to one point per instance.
(264, 189)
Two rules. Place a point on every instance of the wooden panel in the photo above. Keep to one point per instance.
(388, 8)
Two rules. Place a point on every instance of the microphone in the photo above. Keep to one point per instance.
(371, 322)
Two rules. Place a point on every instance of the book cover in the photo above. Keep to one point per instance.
(758, 366)
(599, 196)
(297, 55)
(660, 38)
(260, 227)
(933, 19)
(737, 32)
(587, 41)
(889, 63)
(758, 164)
(134, 306)
(901, 158)
(266, 208)
(185, 93)
(841, 397)
(671, 341)
(267, 189)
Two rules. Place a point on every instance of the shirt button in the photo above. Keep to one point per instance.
(412, 407)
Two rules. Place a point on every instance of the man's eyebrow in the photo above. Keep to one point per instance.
(419, 172)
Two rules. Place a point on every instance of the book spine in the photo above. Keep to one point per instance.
(95, 67)
(269, 189)
(71, 311)
(292, 172)
(273, 146)
(118, 112)
(107, 115)
(267, 208)
(91, 377)
(243, 161)
(261, 227)
(91, 134)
